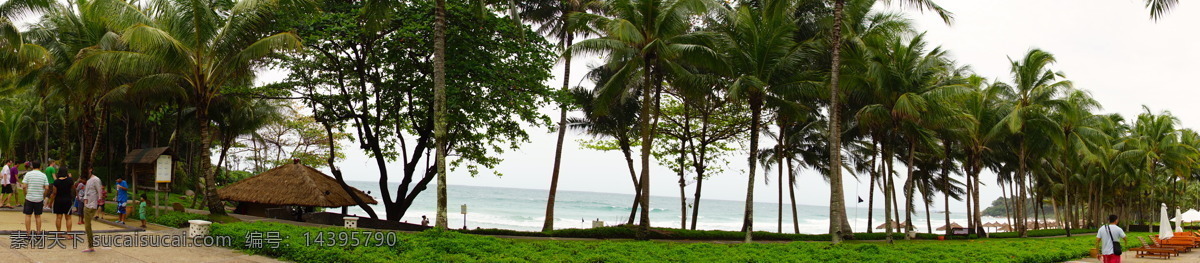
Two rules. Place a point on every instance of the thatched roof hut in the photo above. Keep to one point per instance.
(289, 185)
(952, 225)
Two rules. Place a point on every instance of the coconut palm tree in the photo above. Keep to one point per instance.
(982, 105)
(203, 47)
(644, 40)
(1034, 90)
(439, 117)
(618, 122)
(553, 19)
(1077, 137)
(908, 83)
(837, 203)
(762, 53)
(1159, 8)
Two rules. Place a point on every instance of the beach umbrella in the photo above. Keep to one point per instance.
(1164, 224)
(884, 225)
(952, 225)
(1178, 221)
(1190, 216)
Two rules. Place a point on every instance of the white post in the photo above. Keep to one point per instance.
(350, 222)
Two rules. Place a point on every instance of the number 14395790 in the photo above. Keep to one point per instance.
(348, 238)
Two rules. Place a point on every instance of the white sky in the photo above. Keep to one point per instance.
(1111, 48)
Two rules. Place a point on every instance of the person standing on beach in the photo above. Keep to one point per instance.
(91, 201)
(51, 171)
(35, 189)
(1105, 238)
(6, 185)
(63, 194)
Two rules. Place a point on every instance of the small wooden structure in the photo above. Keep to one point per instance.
(283, 189)
(143, 164)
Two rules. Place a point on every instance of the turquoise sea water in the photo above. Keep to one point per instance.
(524, 209)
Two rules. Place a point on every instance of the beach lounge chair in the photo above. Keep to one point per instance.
(1195, 241)
(1147, 250)
(1186, 245)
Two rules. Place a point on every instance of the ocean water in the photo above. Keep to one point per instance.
(524, 209)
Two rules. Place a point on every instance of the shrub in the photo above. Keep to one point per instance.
(1042, 233)
(448, 246)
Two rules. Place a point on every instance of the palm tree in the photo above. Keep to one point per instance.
(763, 55)
(439, 117)
(1076, 122)
(981, 106)
(1159, 8)
(203, 47)
(1035, 88)
(837, 205)
(16, 54)
(619, 122)
(553, 18)
(643, 39)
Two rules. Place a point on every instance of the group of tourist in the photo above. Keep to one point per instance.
(53, 188)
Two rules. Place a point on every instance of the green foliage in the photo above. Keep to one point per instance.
(628, 232)
(997, 209)
(174, 219)
(1042, 233)
(445, 246)
(487, 103)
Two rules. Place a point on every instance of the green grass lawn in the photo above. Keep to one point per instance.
(441, 246)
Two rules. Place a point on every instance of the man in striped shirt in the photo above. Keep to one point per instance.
(35, 190)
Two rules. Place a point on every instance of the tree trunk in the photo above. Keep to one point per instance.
(337, 174)
(837, 206)
(908, 189)
(1020, 202)
(637, 190)
(888, 197)
(647, 145)
(975, 195)
(928, 220)
(215, 206)
(682, 182)
(948, 164)
(439, 118)
(792, 193)
(779, 158)
(756, 117)
(871, 195)
(562, 132)
(699, 163)
(1007, 208)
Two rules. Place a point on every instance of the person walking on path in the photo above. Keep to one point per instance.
(91, 201)
(35, 189)
(1106, 236)
(63, 194)
(6, 185)
(122, 200)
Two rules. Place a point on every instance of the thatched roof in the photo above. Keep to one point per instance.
(952, 225)
(291, 184)
(144, 156)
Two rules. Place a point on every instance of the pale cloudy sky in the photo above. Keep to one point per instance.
(1110, 48)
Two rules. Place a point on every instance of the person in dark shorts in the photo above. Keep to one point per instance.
(35, 192)
(62, 192)
(7, 183)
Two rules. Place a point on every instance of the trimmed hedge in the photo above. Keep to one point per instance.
(1043, 233)
(630, 232)
(448, 246)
